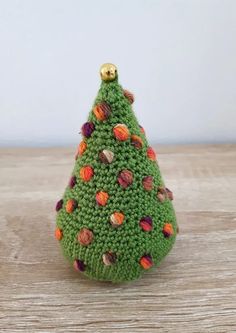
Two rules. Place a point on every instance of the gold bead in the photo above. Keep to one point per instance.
(108, 72)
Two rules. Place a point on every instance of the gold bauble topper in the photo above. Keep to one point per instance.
(108, 72)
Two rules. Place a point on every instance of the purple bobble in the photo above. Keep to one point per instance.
(59, 205)
(72, 182)
(146, 223)
(79, 265)
(87, 129)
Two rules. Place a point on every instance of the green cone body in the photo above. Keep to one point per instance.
(116, 219)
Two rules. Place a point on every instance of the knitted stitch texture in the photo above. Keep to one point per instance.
(116, 219)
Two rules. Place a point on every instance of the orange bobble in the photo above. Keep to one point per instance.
(129, 96)
(121, 132)
(146, 261)
(86, 173)
(117, 219)
(81, 149)
(102, 111)
(168, 230)
(136, 141)
(85, 236)
(102, 198)
(71, 205)
(151, 154)
(58, 234)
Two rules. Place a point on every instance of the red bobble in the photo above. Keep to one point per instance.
(87, 129)
(146, 261)
(125, 178)
(147, 183)
(168, 230)
(151, 154)
(102, 111)
(146, 223)
(129, 96)
(86, 173)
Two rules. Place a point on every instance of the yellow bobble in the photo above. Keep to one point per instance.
(108, 72)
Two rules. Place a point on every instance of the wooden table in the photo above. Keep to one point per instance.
(192, 291)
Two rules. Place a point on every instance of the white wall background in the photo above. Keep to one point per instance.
(177, 56)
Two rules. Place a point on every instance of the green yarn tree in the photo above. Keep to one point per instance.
(116, 219)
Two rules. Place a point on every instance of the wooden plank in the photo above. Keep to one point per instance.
(192, 291)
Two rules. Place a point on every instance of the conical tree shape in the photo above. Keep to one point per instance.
(116, 219)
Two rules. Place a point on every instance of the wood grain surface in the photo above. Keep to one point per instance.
(194, 289)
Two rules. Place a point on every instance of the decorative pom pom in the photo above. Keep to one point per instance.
(136, 141)
(161, 194)
(142, 129)
(169, 194)
(125, 178)
(148, 183)
(108, 72)
(121, 132)
(146, 223)
(117, 219)
(161, 197)
(106, 156)
(86, 173)
(146, 261)
(71, 205)
(151, 154)
(87, 129)
(102, 111)
(59, 205)
(85, 236)
(108, 258)
(164, 193)
(81, 148)
(58, 234)
(168, 230)
(102, 198)
(129, 96)
(72, 182)
(79, 265)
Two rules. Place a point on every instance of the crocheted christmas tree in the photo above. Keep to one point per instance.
(116, 218)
